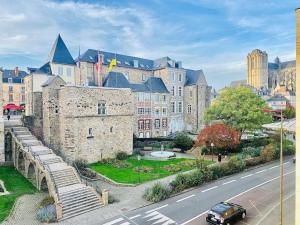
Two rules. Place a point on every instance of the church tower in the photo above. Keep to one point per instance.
(257, 69)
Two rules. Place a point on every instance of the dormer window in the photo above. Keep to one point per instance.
(135, 63)
(9, 80)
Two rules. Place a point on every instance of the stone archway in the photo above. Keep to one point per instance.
(31, 174)
(21, 162)
(8, 146)
(44, 185)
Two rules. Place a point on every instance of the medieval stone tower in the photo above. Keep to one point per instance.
(257, 69)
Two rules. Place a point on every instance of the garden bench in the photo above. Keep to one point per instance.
(147, 148)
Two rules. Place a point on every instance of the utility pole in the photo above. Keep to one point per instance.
(281, 171)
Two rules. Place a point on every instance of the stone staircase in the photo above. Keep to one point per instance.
(74, 196)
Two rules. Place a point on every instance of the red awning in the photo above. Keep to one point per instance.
(12, 106)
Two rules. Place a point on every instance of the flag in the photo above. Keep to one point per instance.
(112, 63)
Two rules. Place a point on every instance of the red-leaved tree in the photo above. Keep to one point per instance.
(221, 135)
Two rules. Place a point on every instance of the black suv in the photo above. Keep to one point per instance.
(225, 213)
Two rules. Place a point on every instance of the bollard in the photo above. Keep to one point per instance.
(105, 197)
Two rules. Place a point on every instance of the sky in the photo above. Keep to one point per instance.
(212, 35)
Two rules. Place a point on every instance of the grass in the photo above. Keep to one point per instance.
(130, 176)
(17, 185)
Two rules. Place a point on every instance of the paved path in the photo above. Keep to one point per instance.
(25, 210)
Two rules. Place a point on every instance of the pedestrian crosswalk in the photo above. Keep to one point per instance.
(152, 218)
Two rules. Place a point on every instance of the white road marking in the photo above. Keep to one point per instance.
(247, 176)
(250, 189)
(209, 189)
(229, 182)
(152, 210)
(126, 223)
(286, 163)
(133, 217)
(157, 217)
(195, 218)
(185, 198)
(114, 221)
(261, 171)
(272, 167)
(273, 209)
(268, 181)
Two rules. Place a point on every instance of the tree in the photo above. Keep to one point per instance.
(183, 141)
(223, 137)
(239, 108)
(289, 112)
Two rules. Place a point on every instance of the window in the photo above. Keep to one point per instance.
(179, 77)
(23, 89)
(189, 109)
(147, 124)
(141, 135)
(60, 70)
(111, 129)
(144, 77)
(101, 108)
(141, 96)
(147, 111)
(56, 109)
(10, 80)
(157, 98)
(173, 110)
(165, 98)
(179, 91)
(69, 72)
(156, 112)
(90, 132)
(141, 124)
(23, 98)
(11, 98)
(180, 107)
(141, 111)
(173, 91)
(174, 76)
(164, 111)
(10, 88)
(146, 96)
(191, 94)
(157, 124)
(164, 123)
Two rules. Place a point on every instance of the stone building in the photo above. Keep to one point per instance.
(264, 74)
(151, 102)
(2, 149)
(88, 123)
(138, 70)
(13, 87)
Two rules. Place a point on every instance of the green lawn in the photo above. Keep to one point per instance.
(17, 185)
(130, 176)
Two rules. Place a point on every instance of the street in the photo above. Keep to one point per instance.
(257, 190)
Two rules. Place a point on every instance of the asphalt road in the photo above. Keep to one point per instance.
(257, 190)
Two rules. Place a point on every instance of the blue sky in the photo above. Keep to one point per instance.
(213, 35)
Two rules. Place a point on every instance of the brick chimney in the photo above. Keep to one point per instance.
(17, 71)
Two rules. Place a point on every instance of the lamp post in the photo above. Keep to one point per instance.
(281, 170)
(212, 151)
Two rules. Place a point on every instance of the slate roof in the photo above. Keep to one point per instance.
(11, 74)
(283, 65)
(91, 55)
(50, 80)
(194, 76)
(59, 53)
(45, 69)
(118, 80)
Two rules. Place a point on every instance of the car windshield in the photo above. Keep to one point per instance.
(220, 208)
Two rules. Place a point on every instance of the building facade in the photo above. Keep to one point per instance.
(264, 74)
(13, 87)
(90, 123)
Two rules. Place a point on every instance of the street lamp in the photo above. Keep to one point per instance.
(212, 151)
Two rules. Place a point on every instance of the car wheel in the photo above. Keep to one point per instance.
(243, 215)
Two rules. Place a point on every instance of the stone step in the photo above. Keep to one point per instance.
(75, 196)
(73, 176)
(63, 184)
(79, 200)
(82, 206)
(62, 173)
(79, 212)
(49, 161)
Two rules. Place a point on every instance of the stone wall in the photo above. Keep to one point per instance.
(190, 98)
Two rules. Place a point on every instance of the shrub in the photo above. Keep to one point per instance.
(235, 165)
(47, 214)
(172, 168)
(253, 161)
(179, 183)
(80, 163)
(112, 199)
(143, 169)
(187, 164)
(121, 164)
(183, 141)
(46, 201)
(195, 178)
(251, 152)
(157, 192)
(137, 151)
(287, 150)
(108, 161)
(269, 152)
(121, 155)
(217, 171)
(88, 173)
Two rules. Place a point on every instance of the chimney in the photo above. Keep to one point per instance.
(17, 71)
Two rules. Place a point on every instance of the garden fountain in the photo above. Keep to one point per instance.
(162, 154)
